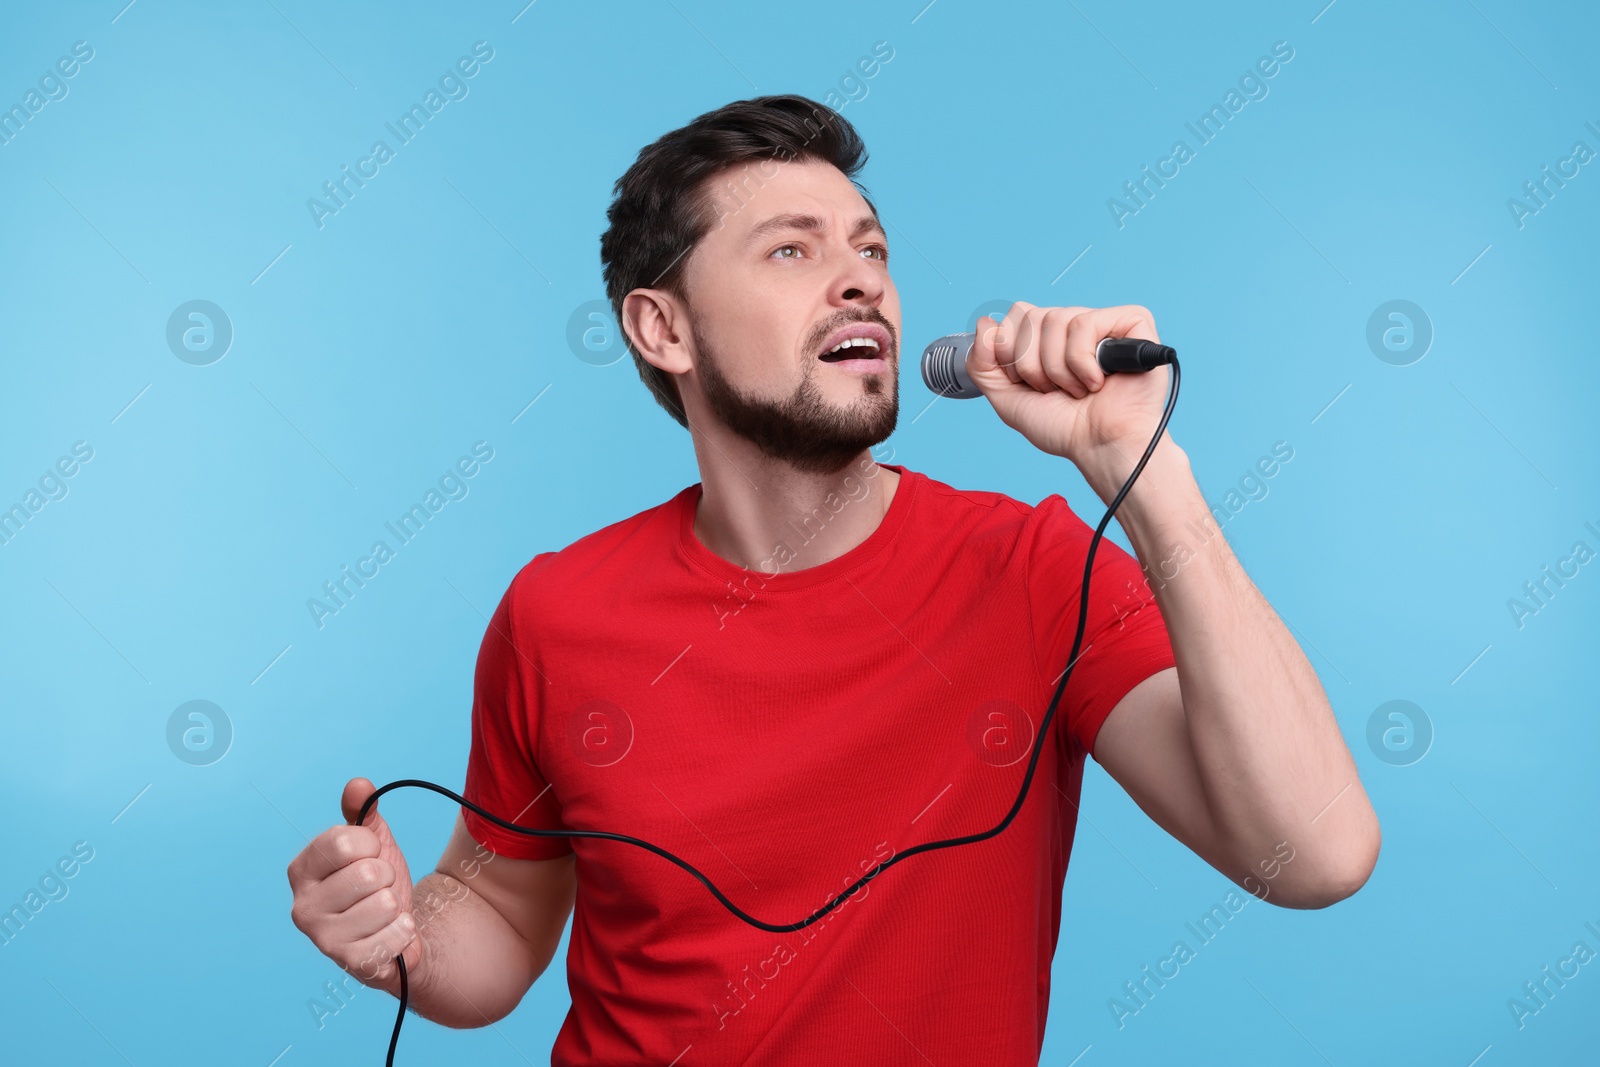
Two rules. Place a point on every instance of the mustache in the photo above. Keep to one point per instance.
(853, 315)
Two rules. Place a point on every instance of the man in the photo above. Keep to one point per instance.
(810, 661)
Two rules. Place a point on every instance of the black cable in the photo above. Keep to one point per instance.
(881, 866)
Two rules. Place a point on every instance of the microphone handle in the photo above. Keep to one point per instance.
(1131, 355)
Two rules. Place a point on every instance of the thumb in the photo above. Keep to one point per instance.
(356, 792)
(991, 362)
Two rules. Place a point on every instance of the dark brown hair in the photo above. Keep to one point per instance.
(662, 206)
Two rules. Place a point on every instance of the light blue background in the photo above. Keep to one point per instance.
(371, 353)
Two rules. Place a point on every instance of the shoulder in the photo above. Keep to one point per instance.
(994, 533)
(984, 511)
(598, 562)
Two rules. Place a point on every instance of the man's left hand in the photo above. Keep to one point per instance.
(1037, 367)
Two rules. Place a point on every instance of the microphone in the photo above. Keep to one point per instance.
(944, 362)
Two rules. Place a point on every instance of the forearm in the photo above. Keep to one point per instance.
(1267, 747)
(475, 967)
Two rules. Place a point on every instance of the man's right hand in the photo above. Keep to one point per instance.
(352, 895)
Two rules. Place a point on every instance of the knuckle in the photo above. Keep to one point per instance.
(365, 873)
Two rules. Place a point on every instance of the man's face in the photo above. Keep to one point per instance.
(797, 261)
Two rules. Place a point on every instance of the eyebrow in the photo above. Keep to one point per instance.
(811, 224)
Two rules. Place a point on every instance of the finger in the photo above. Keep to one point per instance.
(334, 848)
(344, 887)
(1013, 338)
(1144, 323)
(1021, 331)
(991, 349)
(368, 916)
(356, 792)
(1053, 353)
(1129, 320)
(1026, 350)
(1084, 334)
(331, 912)
(372, 958)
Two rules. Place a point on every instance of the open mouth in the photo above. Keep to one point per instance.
(853, 348)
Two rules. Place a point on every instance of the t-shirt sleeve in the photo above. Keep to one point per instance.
(1125, 640)
(503, 775)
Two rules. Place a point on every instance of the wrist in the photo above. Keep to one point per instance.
(1166, 474)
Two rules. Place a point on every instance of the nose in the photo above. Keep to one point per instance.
(858, 281)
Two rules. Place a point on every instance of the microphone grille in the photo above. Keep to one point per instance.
(944, 367)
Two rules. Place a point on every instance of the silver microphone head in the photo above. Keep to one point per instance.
(944, 366)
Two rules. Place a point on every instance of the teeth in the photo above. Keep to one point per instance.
(853, 342)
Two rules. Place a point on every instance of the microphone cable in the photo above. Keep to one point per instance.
(882, 865)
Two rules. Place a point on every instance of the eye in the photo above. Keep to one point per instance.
(787, 248)
(882, 251)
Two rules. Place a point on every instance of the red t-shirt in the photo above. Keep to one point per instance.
(783, 732)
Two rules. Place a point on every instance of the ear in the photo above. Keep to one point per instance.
(656, 324)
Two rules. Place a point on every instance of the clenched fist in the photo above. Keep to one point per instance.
(1037, 367)
(352, 895)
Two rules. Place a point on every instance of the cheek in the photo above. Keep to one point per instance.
(753, 353)
(766, 337)
(890, 307)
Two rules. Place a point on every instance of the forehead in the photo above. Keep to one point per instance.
(749, 199)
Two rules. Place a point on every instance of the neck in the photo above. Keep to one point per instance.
(750, 504)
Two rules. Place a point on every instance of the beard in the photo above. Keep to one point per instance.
(805, 429)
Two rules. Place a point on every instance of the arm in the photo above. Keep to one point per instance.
(489, 925)
(1237, 752)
